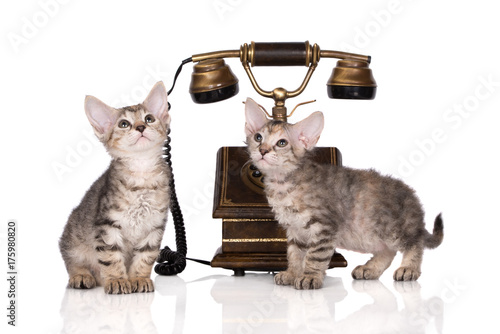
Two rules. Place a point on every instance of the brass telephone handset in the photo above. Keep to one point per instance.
(212, 80)
(251, 238)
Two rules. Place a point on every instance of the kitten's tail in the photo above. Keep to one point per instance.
(433, 240)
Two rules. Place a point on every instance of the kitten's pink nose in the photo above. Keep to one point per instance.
(264, 151)
(141, 128)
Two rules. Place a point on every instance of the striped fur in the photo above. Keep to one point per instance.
(323, 207)
(113, 237)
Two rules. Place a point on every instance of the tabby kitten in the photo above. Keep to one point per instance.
(323, 207)
(113, 237)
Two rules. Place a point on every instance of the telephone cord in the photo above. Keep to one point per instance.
(173, 262)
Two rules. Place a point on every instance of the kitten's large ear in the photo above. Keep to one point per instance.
(100, 115)
(308, 130)
(156, 102)
(254, 116)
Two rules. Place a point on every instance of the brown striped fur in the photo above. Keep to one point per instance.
(113, 237)
(323, 207)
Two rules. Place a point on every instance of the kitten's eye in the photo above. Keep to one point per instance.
(282, 143)
(124, 124)
(258, 137)
(149, 119)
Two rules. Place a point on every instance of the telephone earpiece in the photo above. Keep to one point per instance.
(351, 79)
(212, 81)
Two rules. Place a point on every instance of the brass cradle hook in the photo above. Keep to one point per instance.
(289, 115)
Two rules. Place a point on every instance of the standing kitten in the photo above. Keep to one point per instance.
(323, 207)
(113, 237)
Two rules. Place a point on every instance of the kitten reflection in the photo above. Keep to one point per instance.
(310, 311)
(92, 311)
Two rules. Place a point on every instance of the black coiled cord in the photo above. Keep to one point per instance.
(173, 262)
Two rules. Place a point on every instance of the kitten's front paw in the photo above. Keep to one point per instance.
(365, 272)
(284, 278)
(82, 282)
(142, 284)
(406, 274)
(117, 286)
(308, 282)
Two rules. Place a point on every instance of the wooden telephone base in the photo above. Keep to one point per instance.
(251, 238)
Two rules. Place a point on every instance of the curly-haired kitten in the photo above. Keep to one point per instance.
(323, 206)
(113, 237)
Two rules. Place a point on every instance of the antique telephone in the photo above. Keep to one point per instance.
(251, 238)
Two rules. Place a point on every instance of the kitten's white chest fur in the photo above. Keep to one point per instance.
(143, 205)
(285, 203)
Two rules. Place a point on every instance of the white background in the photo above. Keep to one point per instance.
(433, 124)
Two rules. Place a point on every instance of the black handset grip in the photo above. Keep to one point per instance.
(280, 54)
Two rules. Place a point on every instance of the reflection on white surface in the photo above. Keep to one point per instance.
(264, 308)
(93, 311)
(174, 286)
(267, 307)
(254, 304)
(385, 316)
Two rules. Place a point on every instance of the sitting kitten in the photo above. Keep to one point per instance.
(113, 237)
(323, 207)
